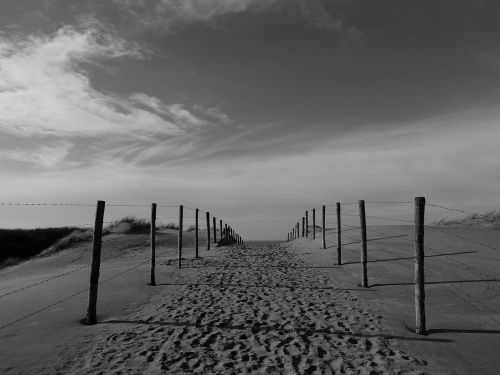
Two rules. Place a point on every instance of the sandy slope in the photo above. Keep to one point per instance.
(250, 309)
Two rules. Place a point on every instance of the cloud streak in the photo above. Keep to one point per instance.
(170, 14)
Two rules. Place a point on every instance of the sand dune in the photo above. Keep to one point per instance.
(251, 309)
(260, 308)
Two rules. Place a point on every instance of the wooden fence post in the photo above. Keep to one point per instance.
(220, 222)
(303, 226)
(288, 237)
(339, 236)
(362, 218)
(179, 238)
(307, 224)
(419, 266)
(153, 243)
(323, 227)
(314, 223)
(225, 230)
(214, 220)
(196, 228)
(208, 231)
(96, 263)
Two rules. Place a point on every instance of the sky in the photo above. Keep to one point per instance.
(254, 110)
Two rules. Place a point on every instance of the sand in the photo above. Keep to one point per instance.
(264, 308)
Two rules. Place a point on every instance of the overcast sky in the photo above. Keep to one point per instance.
(252, 109)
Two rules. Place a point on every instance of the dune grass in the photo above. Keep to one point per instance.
(17, 245)
(486, 219)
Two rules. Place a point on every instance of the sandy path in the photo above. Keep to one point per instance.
(252, 308)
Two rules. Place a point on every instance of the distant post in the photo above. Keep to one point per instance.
(339, 236)
(96, 264)
(288, 237)
(220, 222)
(419, 266)
(362, 218)
(314, 223)
(293, 232)
(153, 243)
(323, 227)
(215, 229)
(225, 230)
(307, 224)
(208, 230)
(179, 238)
(196, 229)
(303, 226)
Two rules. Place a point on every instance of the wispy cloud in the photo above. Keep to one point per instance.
(45, 91)
(169, 14)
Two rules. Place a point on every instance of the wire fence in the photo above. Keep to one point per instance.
(122, 233)
(389, 230)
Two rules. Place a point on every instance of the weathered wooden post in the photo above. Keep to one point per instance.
(96, 264)
(215, 229)
(339, 236)
(364, 247)
(225, 230)
(220, 222)
(303, 226)
(419, 266)
(288, 237)
(179, 238)
(196, 229)
(314, 223)
(153, 243)
(323, 227)
(208, 231)
(297, 230)
(307, 224)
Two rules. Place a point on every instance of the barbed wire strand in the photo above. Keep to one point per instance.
(71, 296)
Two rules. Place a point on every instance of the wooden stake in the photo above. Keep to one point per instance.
(314, 223)
(307, 224)
(419, 266)
(362, 218)
(196, 237)
(221, 229)
(323, 227)
(153, 243)
(96, 264)
(208, 230)
(225, 230)
(303, 226)
(215, 229)
(339, 236)
(179, 238)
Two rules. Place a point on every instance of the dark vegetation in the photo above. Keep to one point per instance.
(21, 244)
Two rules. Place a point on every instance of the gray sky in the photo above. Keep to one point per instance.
(252, 109)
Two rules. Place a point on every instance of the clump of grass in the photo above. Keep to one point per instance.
(487, 219)
(129, 225)
(190, 228)
(170, 226)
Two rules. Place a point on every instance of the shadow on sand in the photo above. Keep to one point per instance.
(257, 328)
